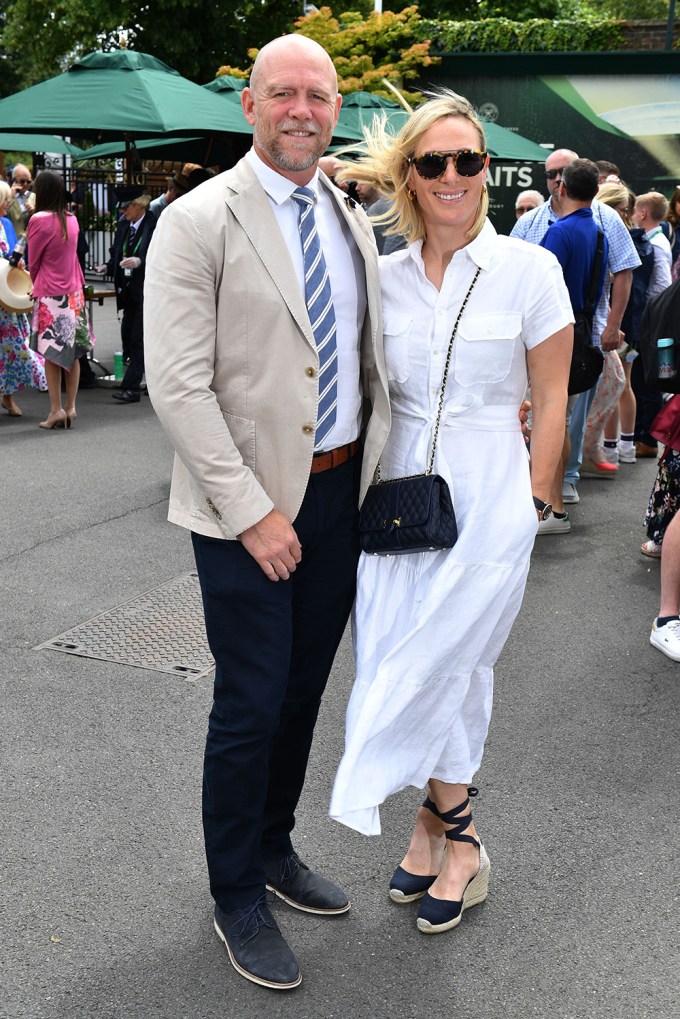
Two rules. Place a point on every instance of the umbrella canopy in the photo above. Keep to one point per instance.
(226, 83)
(109, 95)
(36, 143)
(359, 109)
(206, 151)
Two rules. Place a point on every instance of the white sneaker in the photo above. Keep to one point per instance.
(667, 638)
(569, 493)
(611, 455)
(555, 525)
(627, 456)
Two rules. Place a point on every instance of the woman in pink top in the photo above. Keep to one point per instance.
(61, 328)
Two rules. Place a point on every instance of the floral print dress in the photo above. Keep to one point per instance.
(20, 367)
(665, 498)
(61, 328)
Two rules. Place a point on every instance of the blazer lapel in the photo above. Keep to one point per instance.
(251, 208)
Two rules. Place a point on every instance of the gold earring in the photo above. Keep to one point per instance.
(411, 194)
(483, 189)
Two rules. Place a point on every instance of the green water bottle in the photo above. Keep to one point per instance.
(118, 366)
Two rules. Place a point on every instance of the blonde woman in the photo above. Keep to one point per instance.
(429, 626)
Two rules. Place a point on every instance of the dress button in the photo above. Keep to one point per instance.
(309, 372)
(308, 429)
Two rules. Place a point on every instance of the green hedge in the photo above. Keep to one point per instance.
(537, 35)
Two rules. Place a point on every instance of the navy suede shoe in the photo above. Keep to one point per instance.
(257, 949)
(296, 884)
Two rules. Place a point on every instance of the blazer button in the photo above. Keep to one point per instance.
(310, 373)
(308, 429)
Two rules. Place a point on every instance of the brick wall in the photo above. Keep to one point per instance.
(649, 35)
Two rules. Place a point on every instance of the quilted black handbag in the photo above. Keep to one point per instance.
(414, 513)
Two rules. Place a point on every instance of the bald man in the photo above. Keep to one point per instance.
(621, 260)
(274, 451)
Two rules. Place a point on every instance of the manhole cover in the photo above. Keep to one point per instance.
(161, 630)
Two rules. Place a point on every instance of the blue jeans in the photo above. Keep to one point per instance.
(577, 431)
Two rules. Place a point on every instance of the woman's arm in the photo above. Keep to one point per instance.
(549, 376)
(38, 235)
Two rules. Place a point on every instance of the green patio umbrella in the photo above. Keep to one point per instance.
(207, 151)
(226, 83)
(36, 143)
(109, 96)
(359, 109)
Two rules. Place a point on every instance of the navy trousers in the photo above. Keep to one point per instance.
(132, 334)
(274, 645)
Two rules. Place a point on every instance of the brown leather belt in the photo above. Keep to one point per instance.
(334, 457)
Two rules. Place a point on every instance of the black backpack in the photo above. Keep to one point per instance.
(660, 340)
(642, 274)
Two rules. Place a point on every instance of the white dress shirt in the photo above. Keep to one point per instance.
(348, 285)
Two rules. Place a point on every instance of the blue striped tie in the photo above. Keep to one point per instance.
(321, 313)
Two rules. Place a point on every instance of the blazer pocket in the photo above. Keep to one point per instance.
(484, 347)
(242, 431)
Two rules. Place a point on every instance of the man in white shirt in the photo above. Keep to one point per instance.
(650, 211)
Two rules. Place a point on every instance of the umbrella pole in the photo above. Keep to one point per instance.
(128, 159)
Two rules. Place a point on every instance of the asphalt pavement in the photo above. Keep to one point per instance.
(105, 910)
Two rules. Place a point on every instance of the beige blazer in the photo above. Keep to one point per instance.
(228, 353)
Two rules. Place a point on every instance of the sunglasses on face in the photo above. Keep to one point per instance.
(467, 162)
(18, 181)
(551, 174)
(525, 208)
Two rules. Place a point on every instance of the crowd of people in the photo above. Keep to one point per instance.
(47, 347)
(611, 423)
(291, 369)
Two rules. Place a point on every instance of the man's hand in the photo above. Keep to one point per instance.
(100, 269)
(131, 262)
(611, 338)
(274, 545)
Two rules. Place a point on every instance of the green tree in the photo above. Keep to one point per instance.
(43, 37)
(367, 50)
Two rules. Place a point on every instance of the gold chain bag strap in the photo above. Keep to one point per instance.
(414, 513)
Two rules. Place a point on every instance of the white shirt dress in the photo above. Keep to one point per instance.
(428, 627)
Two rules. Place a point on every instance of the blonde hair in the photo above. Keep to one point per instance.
(385, 165)
(655, 203)
(5, 192)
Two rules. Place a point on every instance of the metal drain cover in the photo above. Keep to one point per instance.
(161, 630)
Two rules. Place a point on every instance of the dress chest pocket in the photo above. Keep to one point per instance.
(484, 347)
(397, 331)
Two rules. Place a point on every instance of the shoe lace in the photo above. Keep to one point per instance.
(290, 865)
(252, 914)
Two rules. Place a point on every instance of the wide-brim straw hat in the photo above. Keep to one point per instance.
(15, 288)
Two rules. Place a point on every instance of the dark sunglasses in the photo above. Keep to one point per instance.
(17, 180)
(525, 208)
(551, 174)
(468, 163)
